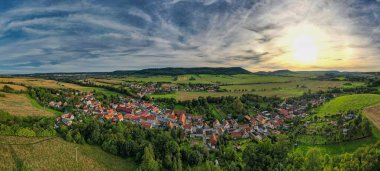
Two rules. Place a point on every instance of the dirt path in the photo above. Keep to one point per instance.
(373, 114)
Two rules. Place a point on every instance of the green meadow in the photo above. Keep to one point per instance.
(347, 103)
(212, 79)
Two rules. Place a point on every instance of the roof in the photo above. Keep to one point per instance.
(213, 139)
(236, 134)
(188, 126)
(151, 117)
(146, 125)
(182, 118)
(170, 124)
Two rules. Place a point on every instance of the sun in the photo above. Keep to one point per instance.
(305, 49)
(305, 42)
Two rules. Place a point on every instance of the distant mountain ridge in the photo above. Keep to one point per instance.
(183, 71)
(158, 71)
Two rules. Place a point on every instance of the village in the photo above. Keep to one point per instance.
(150, 115)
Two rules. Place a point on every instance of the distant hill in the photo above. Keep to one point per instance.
(288, 72)
(153, 71)
(182, 71)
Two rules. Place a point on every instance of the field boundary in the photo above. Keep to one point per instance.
(371, 112)
(30, 143)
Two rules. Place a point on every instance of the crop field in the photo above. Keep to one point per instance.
(373, 114)
(182, 95)
(212, 79)
(293, 88)
(57, 154)
(284, 90)
(21, 105)
(15, 87)
(37, 82)
(348, 102)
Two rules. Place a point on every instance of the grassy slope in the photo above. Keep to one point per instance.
(345, 103)
(348, 102)
(15, 87)
(38, 106)
(38, 82)
(345, 147)
(21, 105)
(57, 154)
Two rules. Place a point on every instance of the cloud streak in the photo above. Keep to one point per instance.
(90, 35)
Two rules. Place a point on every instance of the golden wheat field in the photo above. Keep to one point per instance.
(21, 105)
(57, 154)
(37, 82)
(15, 87)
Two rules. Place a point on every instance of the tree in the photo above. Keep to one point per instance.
(148, 161)
(313, 160)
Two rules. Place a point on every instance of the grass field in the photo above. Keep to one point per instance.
(294, 88)
(15, 87)
(57, 154)
(182, 95)
(35, 104)
(348, 102)
(37, 82)
(281, 89)
(211, 79)
(21, 105)
(373, 114)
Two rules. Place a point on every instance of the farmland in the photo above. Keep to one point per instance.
(286, 89)
(182, 95)
(295, 87)
(213, 79)
(373, 114)
(15, 87)
(21, 105)
(53, 153)
(347, 103)
(37, 82)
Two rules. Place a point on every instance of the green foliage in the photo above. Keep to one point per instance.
(313, 160)
(148, 161)
(8, 89)
(26, 132)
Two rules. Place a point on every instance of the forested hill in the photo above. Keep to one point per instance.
(182, 71)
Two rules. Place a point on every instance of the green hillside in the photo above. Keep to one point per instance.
(347, 103)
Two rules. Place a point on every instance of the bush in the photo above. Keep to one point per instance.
(2, 95)
(8, 89)
(26, 132)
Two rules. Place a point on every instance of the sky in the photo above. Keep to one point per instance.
(258, 35)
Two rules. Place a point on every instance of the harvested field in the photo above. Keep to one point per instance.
(373, 114)
(21, 105)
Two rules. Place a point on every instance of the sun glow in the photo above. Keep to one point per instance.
(305, 49)
(306, 42)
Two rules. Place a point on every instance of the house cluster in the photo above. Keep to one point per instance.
(154, 88)
(58, 104)
(149, 115)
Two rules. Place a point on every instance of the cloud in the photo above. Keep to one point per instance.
(103, 36)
